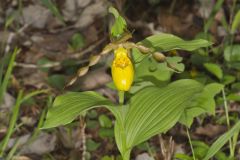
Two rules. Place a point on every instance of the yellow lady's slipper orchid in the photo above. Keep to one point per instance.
(122, 70)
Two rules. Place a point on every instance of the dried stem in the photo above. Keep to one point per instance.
(167, 150)
(83, 137)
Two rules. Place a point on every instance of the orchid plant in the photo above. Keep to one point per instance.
(151, 109)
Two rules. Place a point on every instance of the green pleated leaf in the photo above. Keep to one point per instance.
(202, 103)
(68, 106)
(214, 69)
(149, 69)
(174, 63)
(151, 111)
(166, 42)
(231, 53)
(219, 143)
(154, 110)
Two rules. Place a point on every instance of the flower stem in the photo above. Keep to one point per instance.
(121, 97)
(190, 142)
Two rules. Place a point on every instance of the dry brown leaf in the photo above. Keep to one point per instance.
(210, 130)
(94, 79)
(44, 143)
(35, 15)
(21, 158)
(98, 9)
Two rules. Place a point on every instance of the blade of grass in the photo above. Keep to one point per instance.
(1, 70)
(13, 150)
(12, 124)
(53, 8)
(32, 94)
(7, 76)
(219, 143)
(228, 122)
(216, 8)
(41, 120)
